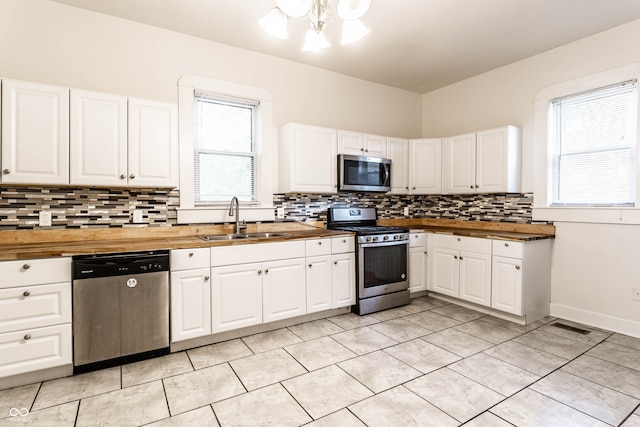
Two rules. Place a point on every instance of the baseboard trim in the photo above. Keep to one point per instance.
(597, 320)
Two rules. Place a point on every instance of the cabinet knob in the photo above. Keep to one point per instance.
(455, 257)
(27, 337)
(206, 278)
(461, 258)
(425, 252)
(310, 265)
(26, 293)
(190, 254)
(26, 267)
(132, 176)
(471, 186)
(344, 240)
(506, 245)
(362, 149)
(414, 188)
(406, 188)
(517, 267)
(266, 271)
(259, 272)
(458, 239)
(320, 243)
(335, 262)
(123, 176)
(477, 186)
(6, 171)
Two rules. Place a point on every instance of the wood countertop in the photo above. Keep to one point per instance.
(30, 244)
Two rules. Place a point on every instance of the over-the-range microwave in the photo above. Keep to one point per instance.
(362, 173)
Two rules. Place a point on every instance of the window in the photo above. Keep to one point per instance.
(225, 156)
(594, 147)
(219, 161)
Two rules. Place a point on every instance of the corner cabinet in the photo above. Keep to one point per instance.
(307, 159)
(190, 294)
(35, 133)
(483, 162)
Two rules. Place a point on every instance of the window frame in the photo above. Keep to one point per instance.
(262, 209)
(543, 210)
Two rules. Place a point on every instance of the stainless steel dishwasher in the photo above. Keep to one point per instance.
(120, 308)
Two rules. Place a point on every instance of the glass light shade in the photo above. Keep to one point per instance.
(353, 30)
(294, 8)
(275, 23)
(353, 9)
(315, 41)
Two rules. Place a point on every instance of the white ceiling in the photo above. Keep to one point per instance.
(418, 45)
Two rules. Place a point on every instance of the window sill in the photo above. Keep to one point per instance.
(215, 214)
(587, 215)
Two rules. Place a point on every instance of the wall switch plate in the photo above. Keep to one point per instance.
(406, 211)
(635, 294)
(44, 219)
(137, 216)
(280, 212)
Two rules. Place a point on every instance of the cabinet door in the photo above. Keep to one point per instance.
(426, 166)
(350, 143)
(153, 144)
(343, 280)
(35, 133)
(284, 289)
(475, 277)
(308, 159)
(98, 139)
(190, 304)
(459, 164)
(491, 161)
(318, 283)
(445, 271)
(34, 349)
(417, 269)
(375, 145)
(506, 285)
(236, 296)
(398, 150)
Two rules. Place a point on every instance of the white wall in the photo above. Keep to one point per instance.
(48, 42)
(594, 266)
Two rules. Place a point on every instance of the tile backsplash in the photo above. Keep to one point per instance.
(76, 207)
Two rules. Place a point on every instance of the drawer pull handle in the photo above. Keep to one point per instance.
(26, 293)
(26, 267)
(206, 278)
(517, 267)
(27, 337)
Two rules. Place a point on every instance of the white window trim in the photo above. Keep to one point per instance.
(542, 161)
(188, 213)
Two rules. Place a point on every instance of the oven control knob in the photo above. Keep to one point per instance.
(396, 237)
(385, 238)
(375, 239)
(368, 239)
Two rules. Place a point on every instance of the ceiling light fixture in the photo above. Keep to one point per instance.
(318, 12)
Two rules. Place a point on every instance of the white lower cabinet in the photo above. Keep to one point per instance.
(461, 268)
(319, 283)
(330, 273)
(190, 294)
(236, 296)
(283, 290)
(35, 315)
(343, 280)
(418, 265)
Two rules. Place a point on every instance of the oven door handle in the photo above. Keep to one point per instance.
(383, 243)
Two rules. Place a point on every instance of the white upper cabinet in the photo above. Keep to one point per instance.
(153, 144)
(483, 162)
(307, 159)
(426, 166)
(35, 133)
(361, 144)
(398, 150)
(98, 139)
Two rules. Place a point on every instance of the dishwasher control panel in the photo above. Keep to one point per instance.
(120, 264)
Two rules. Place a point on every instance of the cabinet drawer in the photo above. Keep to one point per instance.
(508, 248)
(44, 348)
(188, 259)
(342, 245)
(35, 306)
(34, 272)
(462, 243)
(315, 247)
(417, 239)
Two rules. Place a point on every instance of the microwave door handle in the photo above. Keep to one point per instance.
(386, 173)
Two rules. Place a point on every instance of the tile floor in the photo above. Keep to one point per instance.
(425, 364)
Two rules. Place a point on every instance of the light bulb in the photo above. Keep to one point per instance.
(275, 23)
(315, 41)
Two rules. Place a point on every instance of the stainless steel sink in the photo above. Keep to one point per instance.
(219, 237)
(265, 235)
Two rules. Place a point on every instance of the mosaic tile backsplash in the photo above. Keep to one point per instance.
(74, 207)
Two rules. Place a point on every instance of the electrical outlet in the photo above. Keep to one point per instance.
(406, 211)
(137, 216)
(635, 294)
(280, 212)
(44, 219)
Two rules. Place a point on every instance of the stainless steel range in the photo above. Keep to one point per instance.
(382, 259)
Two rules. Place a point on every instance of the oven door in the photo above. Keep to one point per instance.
(382, 268)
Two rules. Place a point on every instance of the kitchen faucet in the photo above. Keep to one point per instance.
(239, 227)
